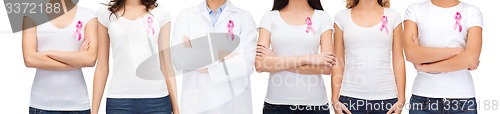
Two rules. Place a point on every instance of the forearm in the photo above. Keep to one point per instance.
(459, 62)
(99, 84)
(420, 54)
(75, 59)
(399, 69)
(312, 69)
(41, 61)
(337, 77)
(278, 64)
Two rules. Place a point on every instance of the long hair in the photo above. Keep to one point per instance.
(115, 5)
(280, 4)
(353, 3)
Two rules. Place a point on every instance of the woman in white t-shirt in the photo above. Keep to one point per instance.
(136, 31)
(443, 40)
(295, 29)
(58, 49)
(366, 35)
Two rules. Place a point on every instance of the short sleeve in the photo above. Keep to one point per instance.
(163, 15)
(475, 18)
(411, 13)
(326, 23)
(103, 16)
(338, 19)
(397, 19)
(266, 22)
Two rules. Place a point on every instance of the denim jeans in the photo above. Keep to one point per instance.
(139, 105)
(40, 111)
(295, 109)
(425, 105)
(362, 106)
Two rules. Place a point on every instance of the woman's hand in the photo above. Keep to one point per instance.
(263, 51)
(85, 45)
(327, 59)
(397, 107)
(339, 108)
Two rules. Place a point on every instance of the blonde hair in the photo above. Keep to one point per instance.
(352, 3)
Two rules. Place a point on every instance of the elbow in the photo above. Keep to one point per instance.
(90, 62)
(28, 63)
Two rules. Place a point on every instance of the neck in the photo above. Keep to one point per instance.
(214, 4)
(298, 5)
(367, 5)
(445, 3)
(133, 2)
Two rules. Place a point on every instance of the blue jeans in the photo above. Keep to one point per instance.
(139, 105)
(425, 105)
(295, 109)
(362, 106)
(40, 111)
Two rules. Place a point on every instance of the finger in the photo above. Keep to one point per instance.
(391, 110)
(346, 110)
(262, 45)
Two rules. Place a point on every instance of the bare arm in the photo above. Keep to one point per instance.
(338, 70)
(419, 54)
(465, 60)
(102, 69)
(265, 63)
(326, 47)
(166, 65)
(33, 58)
(398, 62)
(83, 58)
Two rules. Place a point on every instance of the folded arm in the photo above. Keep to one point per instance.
(86, 57)
(465, 60)
(33, 58)
(419, 54)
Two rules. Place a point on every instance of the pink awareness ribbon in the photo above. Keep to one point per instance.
(384, 24)
(150, 26)
(309, 26)
(78, 32)
(230, 27)
(458, 17)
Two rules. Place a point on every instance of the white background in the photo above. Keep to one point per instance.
(16, 79)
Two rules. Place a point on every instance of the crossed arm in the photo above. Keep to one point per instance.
(428, 59)
(322, 63)
(58, 60)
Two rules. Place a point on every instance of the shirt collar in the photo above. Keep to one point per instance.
(219, 10)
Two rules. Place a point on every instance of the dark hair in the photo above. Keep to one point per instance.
(280, 4)
(352, 3)
(116, 5)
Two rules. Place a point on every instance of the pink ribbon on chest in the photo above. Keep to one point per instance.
(230, 27)
(150, 26)
(458, 17)
(78, 32)
(384, 22)
(309, 26)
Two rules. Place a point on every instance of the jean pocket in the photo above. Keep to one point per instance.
(418, 104)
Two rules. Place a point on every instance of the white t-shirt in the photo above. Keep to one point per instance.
(368, 73)
(61, 90)
(286, 40)
(132, 43)
(436, 26)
